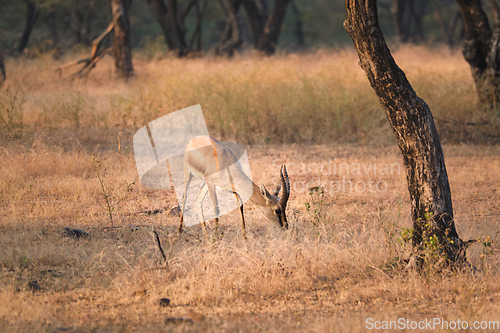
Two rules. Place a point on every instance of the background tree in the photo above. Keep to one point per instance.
(407, 20)
(232, 36)
(122, 51)
(32, 14)
(170, 23)
(265, 29)
(3, 73)
(481, 48)
(271, 32)
(416, 135)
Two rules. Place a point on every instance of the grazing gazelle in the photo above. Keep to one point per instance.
(205, 157)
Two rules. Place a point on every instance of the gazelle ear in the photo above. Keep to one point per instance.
(265, 193)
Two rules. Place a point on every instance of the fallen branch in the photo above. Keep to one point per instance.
(95, 55)
(159, 246)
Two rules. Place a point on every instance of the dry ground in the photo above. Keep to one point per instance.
(329, 271)
(336, 266)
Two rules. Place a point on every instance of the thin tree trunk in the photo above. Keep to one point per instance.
(32, 14)
(439, 16)
(122, 51)
(87, 24)
(232, 37)
(170, 25)
(3, 74)
(400, 19)
(416, 135)
(256, 18)
(298, 31)
(269, 38)
(419, 35)
(481, 48)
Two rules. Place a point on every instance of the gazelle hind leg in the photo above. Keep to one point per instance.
(199, 200)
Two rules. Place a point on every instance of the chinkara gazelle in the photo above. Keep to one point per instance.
(205, 157)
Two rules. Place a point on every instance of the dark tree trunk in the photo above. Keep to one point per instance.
(269, 38)
(404, 16)
(232, 37)
(481, 48)
(256, 17)
(265, 30)
(200, 13)
(401, 20)
(122, 51)
(170, 24)
(3, 74)
(87, 24)
(447, 34)
(297, 30)
(413, 125)
(32, 14)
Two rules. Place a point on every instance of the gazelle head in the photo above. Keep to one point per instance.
(275, 208)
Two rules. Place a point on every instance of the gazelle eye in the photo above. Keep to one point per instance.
(277, 211)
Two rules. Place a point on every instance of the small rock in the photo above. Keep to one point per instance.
(75, 233)
(164, 302)
(175, 211)
(150, 212)
(34, 285)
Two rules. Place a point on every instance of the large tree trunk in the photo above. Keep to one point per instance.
(170, 25)
(122, 51)
(481, 48)
(269, 38)
(32, 14)
(413, 125)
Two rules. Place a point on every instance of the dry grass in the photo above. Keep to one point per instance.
(329, 273)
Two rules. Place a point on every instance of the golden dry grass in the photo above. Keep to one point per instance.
(329, 273)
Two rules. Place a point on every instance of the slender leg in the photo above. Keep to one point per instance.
(187, 179)
(199, 199)
(213, 196)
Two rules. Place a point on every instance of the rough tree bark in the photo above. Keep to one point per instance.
(32, 14)
(122, 51)
(481, 48)
(413, 126)
(170, 24)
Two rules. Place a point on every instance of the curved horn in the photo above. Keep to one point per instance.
(286, 187)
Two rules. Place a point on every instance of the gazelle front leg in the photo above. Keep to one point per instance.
(215, 203)
(187, 179)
